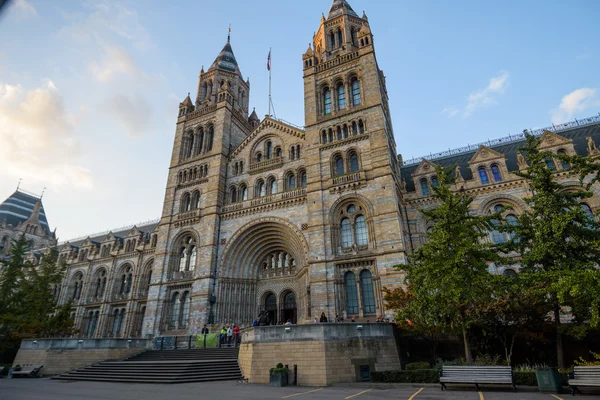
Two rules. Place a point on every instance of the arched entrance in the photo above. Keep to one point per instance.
(271, 308)
(288, 308)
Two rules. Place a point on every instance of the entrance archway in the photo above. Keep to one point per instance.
(271, 308)
(289, 310)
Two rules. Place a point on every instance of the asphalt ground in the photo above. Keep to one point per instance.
(46, 389)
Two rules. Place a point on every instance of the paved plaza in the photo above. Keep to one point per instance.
(46, 389)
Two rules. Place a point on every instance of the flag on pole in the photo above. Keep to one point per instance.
(269, 61)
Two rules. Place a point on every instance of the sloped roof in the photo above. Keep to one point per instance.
(577, 134)
(17, 208)
(146, 227)
(226, 61)
(337, 9)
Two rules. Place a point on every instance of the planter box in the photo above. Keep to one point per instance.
(548, 380)
(278, 380)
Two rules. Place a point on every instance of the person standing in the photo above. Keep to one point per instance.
(204, 332)
(323, 318)
(315, 321)
(236, 335)
(222, 337)
(352, 319)
(229, 335)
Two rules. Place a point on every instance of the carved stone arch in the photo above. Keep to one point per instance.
(518, 204)
(75, 272)
(346, 200)
(180, 236)
(253, 241)
(339, 211)
(259, 144)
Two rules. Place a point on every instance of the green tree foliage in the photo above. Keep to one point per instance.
(451, 269)
(28, 307)
(419, 316)
(557, 241)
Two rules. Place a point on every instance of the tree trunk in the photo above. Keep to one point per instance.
(468, 356)
(559, 346)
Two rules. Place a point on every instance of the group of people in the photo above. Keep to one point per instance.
(264, 319)
(338, 318)
(228, 336)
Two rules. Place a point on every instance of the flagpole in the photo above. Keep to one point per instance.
(269, 81)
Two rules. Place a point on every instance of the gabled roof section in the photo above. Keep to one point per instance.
(424, 167)
(19, 207)
(266, 123)
(484, 154)
(341, 7)
(120, 233)
(226, 61)
(551, 139)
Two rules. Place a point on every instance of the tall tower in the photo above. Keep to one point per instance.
(353, 170)
(207, 131)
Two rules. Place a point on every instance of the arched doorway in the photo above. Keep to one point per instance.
(288, 308)
(271, 307)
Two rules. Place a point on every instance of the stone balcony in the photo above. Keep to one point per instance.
(266, 165)
(290, 194)
(181, 275)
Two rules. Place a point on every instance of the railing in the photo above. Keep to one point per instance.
(202, 111)
(262, 200)
(352, 177)
(188, 214)
(120, 296)
(337, 61)
(104, 233)
(95, 299)
(265, 200)
(278, 271)
(271, 163)
(293, 193)
(508, 139)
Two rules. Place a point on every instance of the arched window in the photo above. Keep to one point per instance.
(302, 178)
(339, 165)
(332, 40)
(511, 221)
(353, 162)
(184, 310)
(351, 294)
(434, 181)
(340, 40)
(346, 232)
(291, 182)
(361, 127)
(588, 211)
(233, 197)
(330, 135)
(360, 230)
(200, 140)
(174, 310)
(339, 133)
(273, 186)
(564, 163)
(496, 173)
(353, 36)
(355, 91)
(293, 153)
(182, 259)
(550, 164)
(186, 202)
(190, 144)
(210, 138)
(327, 101)
(244, 193)
(196, 200)
(354, 128)
(260, 188)
(298, 150)
(278, 152)
(367, 293)
(324, 137)
(153, 241)
(116, 323)
(258, 157)
(341, 96)
(483, 176)
(268, 150)
(192, 264)
(424, 187)
(345, 131)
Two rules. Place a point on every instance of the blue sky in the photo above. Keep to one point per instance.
(89, 89)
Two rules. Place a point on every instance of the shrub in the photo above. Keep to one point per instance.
(417, 365)
(525, 378)
(413, 376)
(279, 369)
(585, 363)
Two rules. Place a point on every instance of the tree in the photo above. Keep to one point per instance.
(514, 311)
(556, 239)
(418, 316)
(28, 307)
(451, 269)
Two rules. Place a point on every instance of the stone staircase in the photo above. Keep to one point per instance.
(164, 366)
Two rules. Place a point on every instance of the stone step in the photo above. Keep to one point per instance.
(153, 380)
(158, 370)
(160, 375)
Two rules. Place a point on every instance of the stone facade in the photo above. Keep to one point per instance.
(323, 353)
(266, 216)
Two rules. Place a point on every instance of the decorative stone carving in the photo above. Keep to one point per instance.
(591, 146)
(521, 161)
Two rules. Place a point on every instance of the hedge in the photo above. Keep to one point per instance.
(417, 365)
(414, 376)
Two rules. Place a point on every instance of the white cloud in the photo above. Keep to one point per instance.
(450, 111)
(117, 61)
(105, 19)
(577, 101)
(481, 98)
(131, 112)
(37, 139)
(24, 9)
(487, 96)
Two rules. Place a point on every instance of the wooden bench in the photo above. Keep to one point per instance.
(584, 376)
(476, 375)
(28, 370)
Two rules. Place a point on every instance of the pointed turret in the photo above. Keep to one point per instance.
(253, 119)
(226, 61)
(22, 207)
(340, 7)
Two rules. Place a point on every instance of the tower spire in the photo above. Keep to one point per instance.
(229, 34)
